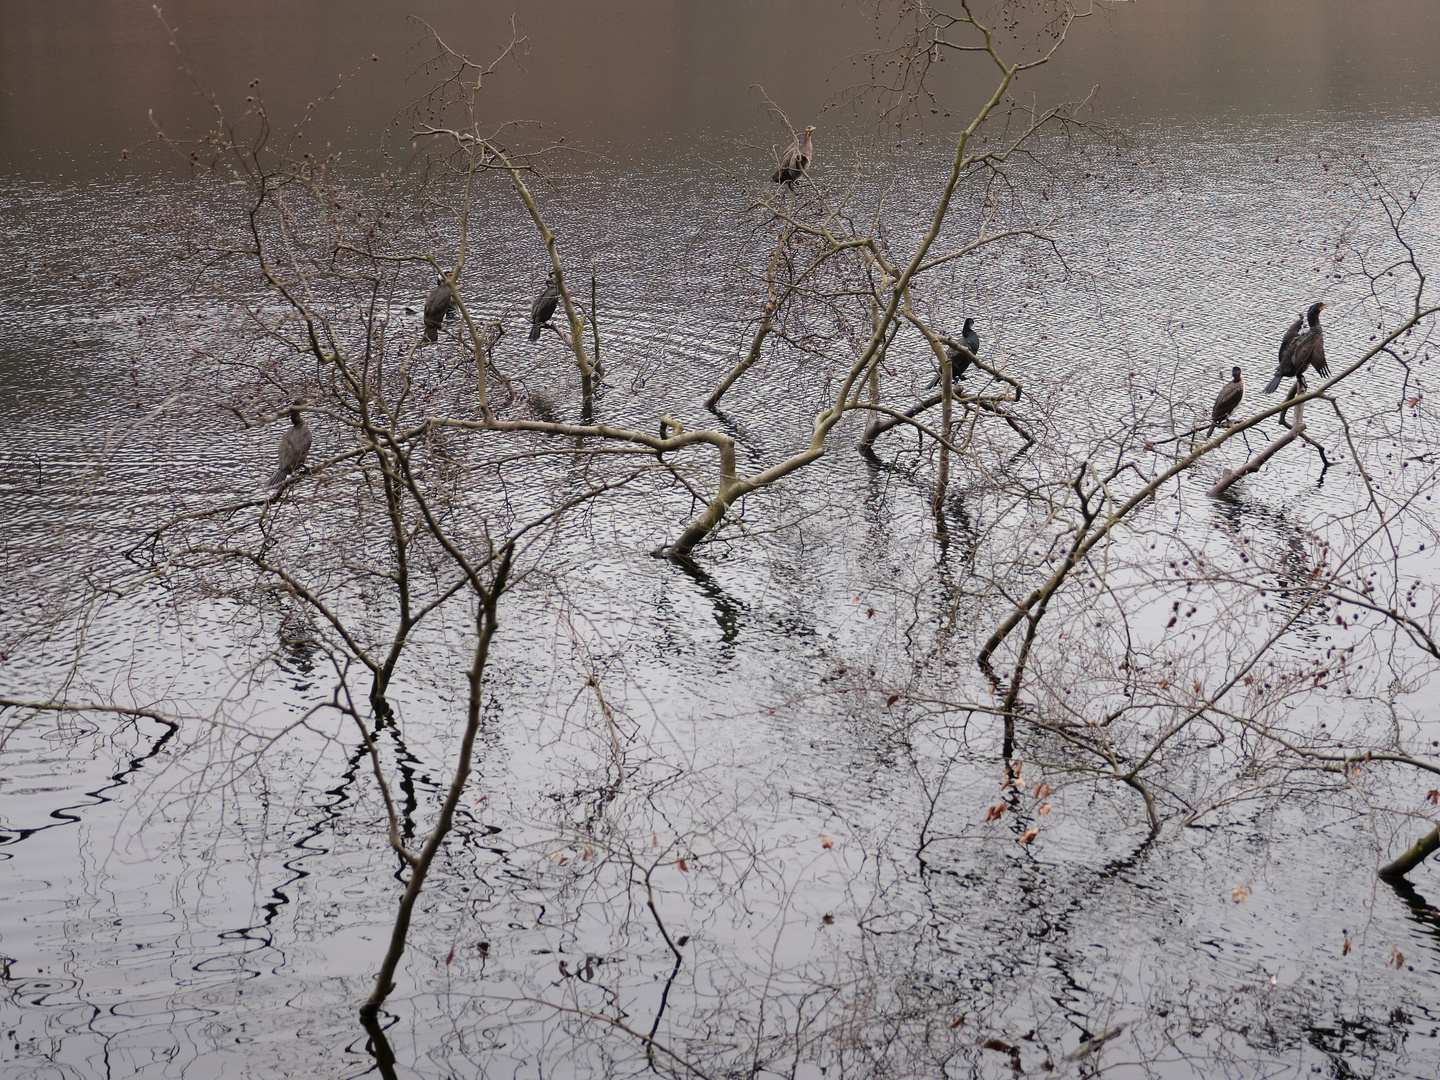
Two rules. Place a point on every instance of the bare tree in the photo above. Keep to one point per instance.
(1120, 619)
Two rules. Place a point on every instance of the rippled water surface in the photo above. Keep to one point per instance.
(213, 899)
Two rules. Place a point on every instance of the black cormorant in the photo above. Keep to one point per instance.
(1310, 347)
(1226, 401)
(294, 446)
(1299, 351)
(795, 161)
(959, 361)
(544, 307)
(437, 305)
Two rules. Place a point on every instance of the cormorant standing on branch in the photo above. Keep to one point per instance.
(795, 161)
(544, 307)
(1299, 351)
(294, 446)
(1230, 396)
(1310, 347)
(958, 360)
(437, 305)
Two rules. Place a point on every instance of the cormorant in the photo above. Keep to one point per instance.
(1310, 347)
(544, 307)
(1299, 351)
(437, 305)
(1226, 401)
(293, 446)
(958, 360)
(795, 161)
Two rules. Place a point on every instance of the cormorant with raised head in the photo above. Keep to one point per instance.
(795, 161)
(959, 361)
(1299, 351)
(544, 307)
(294, 446)
(437, 305)
(1230, 396)
(1310, 347)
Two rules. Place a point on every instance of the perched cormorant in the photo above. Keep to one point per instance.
(795, 161)
(959, 361)
(437, 305)
(1226, 401)
(544, 307)
(1299, 351)
(1310, 347)
(293, 446)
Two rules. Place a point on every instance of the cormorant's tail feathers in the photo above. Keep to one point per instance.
(278, 477)
(1273, 384)
(536, 330)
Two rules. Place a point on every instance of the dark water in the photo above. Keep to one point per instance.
(213, 901)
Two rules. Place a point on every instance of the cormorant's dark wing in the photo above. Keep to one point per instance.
(437, 306)
(1287, 368)
(789, 170)
(1225, 402)
(543, 308)
(795, 160)
(294, 448)
(1310, 352)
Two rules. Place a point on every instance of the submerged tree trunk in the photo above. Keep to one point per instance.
(488, 620)
(1253, 465)
(1414, 856)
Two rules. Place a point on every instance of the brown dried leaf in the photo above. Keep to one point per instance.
(826, 843)
(684, 866)
(1044, 810)
(1345, 949)
(1043, 791)
(1027, 836)
(1240, 894)
(891, 700)
(450, 956)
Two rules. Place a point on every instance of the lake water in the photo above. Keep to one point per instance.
(213, 900)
